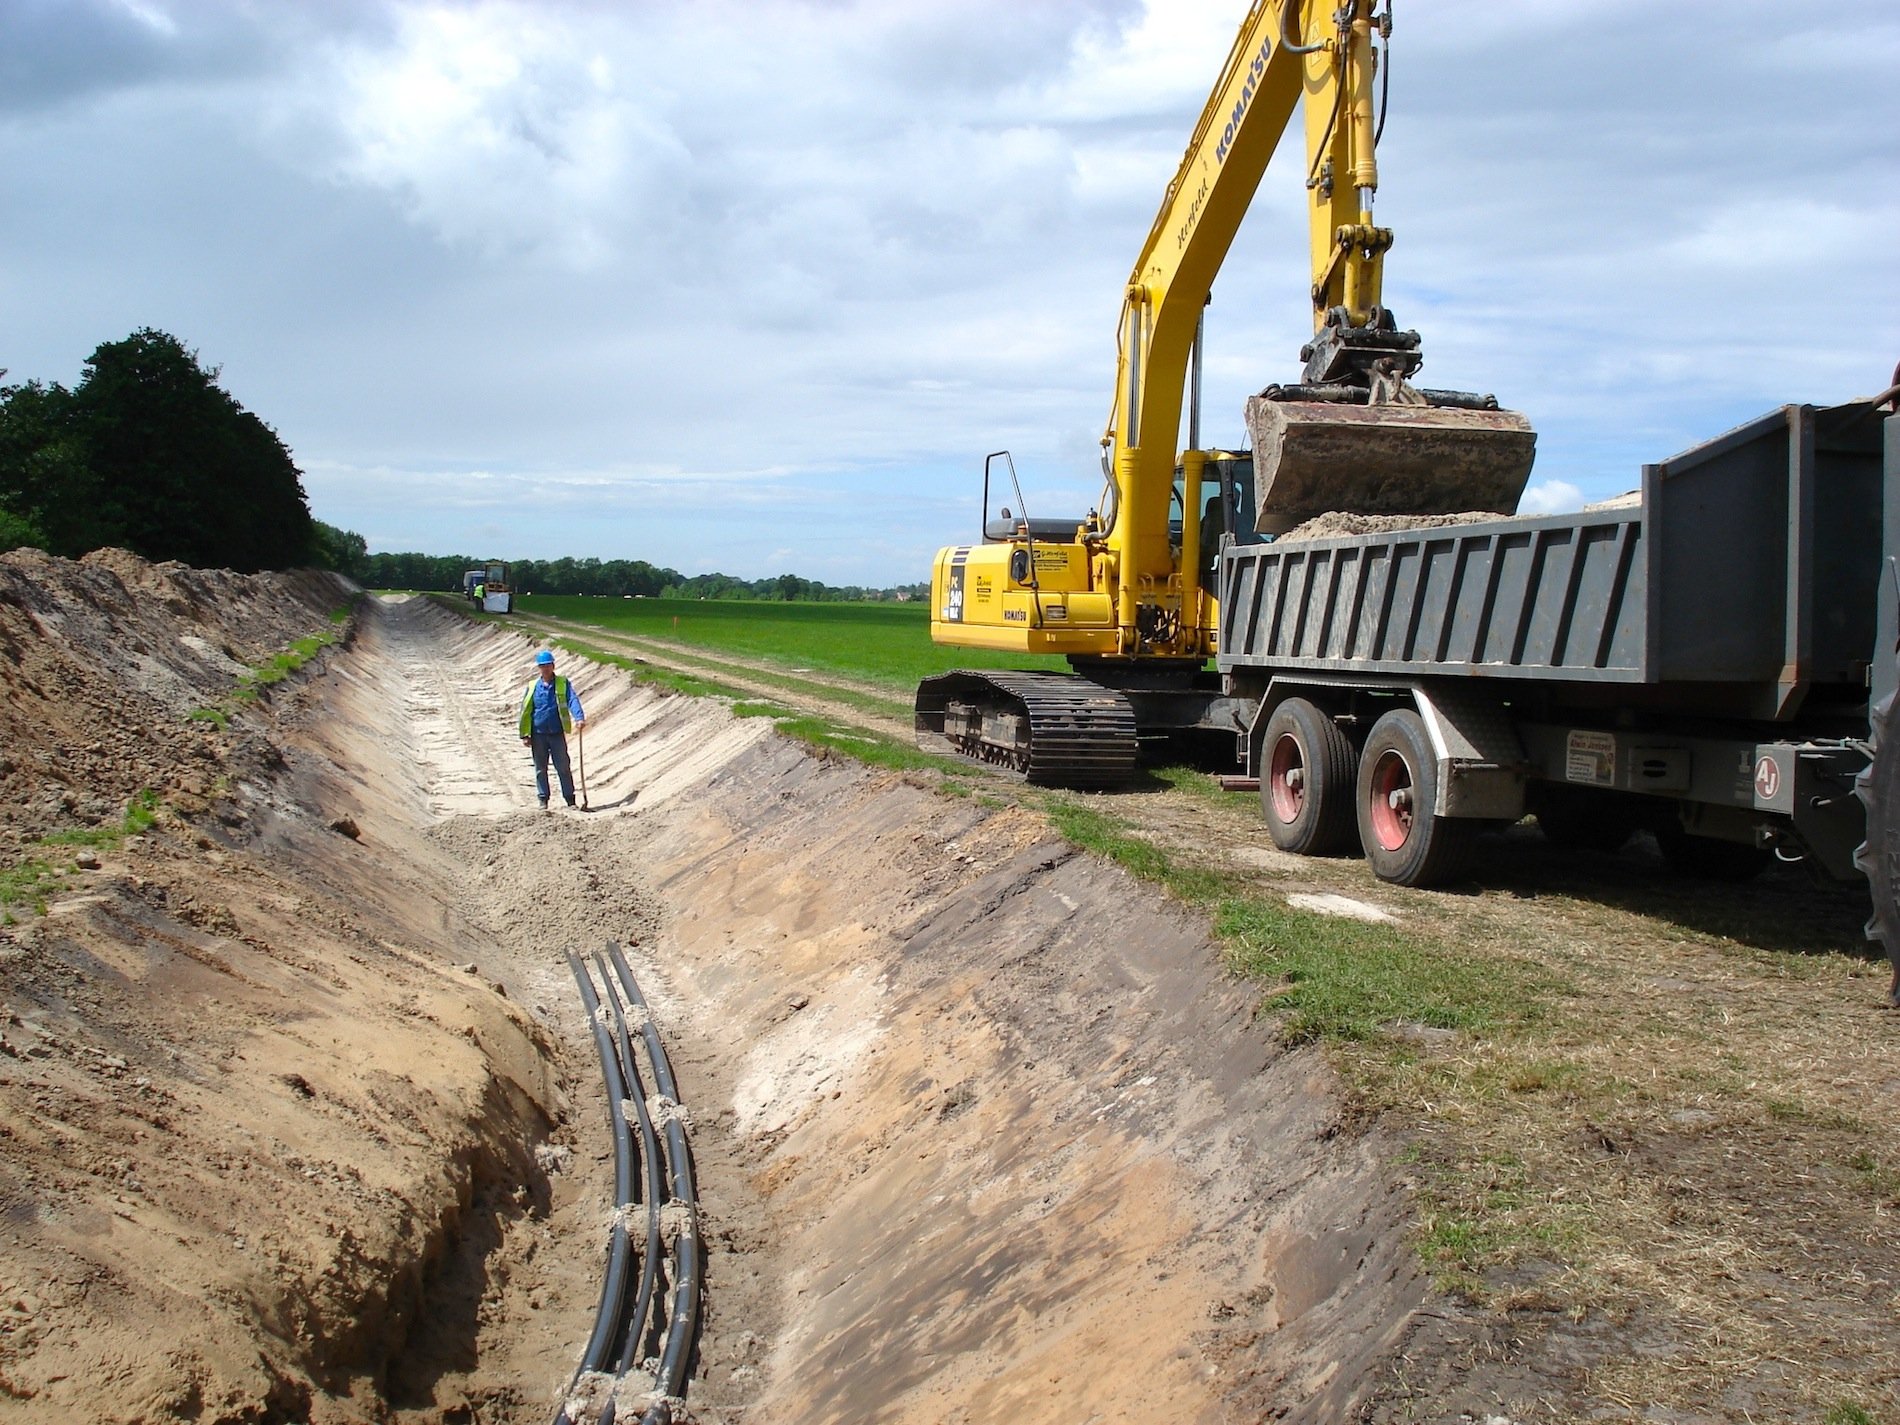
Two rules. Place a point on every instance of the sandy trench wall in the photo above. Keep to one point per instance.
(248, 1101)
(998, 1135)
(1031, 1154)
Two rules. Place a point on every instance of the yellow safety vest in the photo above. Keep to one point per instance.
(560, 701)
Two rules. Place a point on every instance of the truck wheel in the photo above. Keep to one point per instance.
(1306, 781)
(1405, 842)
(1879, 857)
(1708, 859)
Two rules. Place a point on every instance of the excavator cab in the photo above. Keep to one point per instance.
(1227, 509)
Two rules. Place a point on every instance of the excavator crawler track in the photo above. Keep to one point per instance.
(1050, 729)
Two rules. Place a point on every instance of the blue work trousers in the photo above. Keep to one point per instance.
(552, 744)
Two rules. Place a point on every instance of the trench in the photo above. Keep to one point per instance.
(983, 1130)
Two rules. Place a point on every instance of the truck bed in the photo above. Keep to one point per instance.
(1749, 570)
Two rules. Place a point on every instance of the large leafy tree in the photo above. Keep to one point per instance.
(149, 452)
(45, 484)
(343, 550)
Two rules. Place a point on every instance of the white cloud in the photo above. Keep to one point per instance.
(502, 128)
(1550, 497)
(725, 279)
(152, 17)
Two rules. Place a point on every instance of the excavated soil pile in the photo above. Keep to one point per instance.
(1335, 523)
(299, 1116)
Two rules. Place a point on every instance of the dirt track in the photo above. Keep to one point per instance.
(300, 1122)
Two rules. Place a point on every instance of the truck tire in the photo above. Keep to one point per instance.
(1707, 859)
(1405, 841)
(1306, 781)
(1879, 857)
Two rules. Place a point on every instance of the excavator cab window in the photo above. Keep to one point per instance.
(1228, 485)
(1229, 479)
(1227, 507)
(1019, 526)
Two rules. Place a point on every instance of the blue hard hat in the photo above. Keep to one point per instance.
(544, 657)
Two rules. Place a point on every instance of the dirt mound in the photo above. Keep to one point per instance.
(108, 659)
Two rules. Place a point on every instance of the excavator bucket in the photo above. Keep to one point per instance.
(1312, 457)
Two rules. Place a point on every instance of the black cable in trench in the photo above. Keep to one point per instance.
(686, 1256)
(617, 1318)
(634, 1335)
(613, 1289)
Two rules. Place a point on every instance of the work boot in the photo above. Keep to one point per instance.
(570, 803)
(544, 803)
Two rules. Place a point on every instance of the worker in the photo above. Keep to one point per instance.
(550, 709)
(481, 592)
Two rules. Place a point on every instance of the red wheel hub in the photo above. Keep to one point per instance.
(1391, 794)
(1286, 779)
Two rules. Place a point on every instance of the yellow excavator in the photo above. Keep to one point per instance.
(1127, 592)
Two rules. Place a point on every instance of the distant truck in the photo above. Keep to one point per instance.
(488, 589)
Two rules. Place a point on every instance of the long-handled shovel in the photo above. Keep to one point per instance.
(580, 739)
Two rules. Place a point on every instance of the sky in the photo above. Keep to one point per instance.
(754, 285)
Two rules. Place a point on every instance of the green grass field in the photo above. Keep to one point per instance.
(875, 643)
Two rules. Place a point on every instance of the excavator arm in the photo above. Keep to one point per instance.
(1279, 57)
(1353, 434)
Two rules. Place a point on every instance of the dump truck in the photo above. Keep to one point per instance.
(1714, 662)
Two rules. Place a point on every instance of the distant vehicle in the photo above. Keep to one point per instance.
(488, 588)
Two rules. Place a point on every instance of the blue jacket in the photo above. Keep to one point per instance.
(550, 707)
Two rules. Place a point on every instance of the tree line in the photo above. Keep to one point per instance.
(148, 453)
(611, 578)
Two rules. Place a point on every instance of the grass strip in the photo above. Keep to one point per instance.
(884, 643)
(819, 734)
(792, 683)
(278, 667)
(688, 684)
(37, 877)
(1330, 978)
(281, 665)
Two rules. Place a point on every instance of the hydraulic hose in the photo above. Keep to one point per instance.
(1289, 42)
